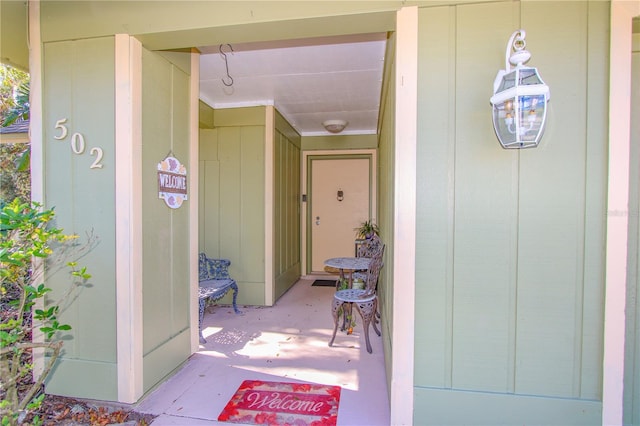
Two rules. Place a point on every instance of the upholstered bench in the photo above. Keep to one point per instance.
(214, 283)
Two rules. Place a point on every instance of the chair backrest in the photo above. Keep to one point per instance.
(374, 271)
(370, 247)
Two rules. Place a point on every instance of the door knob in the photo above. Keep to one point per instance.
(317, 220)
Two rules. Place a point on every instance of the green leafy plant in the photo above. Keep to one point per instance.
(343, 284)
(14, 95)
(367, 229)
(15, 181)
(27, 239)
(20, 110)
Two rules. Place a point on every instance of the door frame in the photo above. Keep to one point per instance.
(305, 219)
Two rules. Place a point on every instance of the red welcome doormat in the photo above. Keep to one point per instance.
(275, 403)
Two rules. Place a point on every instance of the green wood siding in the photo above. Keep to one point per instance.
(79, 87)
(205, 116)
(232, 184)
(232, 190)
(286, 255)
(209, 197)
(510, 245)
(166, 306)
(509, 261)
(179, 24)
(386, 199)
(339, 142)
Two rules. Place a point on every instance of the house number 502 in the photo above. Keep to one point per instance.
(78, 145)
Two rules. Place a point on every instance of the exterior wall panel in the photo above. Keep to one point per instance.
(485, 215)
(166, 303)
(232, 216)
(551, 228)
(252, 205)
(510, 262)
(435, 202)
(209, 208)
(79, 89)
(232, 211)
(385, 204)
(595, 165)
(287, 262)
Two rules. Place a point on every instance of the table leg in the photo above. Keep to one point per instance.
(339, 282)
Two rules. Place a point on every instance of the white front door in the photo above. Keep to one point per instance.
(340, 199)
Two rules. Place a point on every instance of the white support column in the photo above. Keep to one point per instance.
(269, 293)
(194, 158)
(36, 138)
(622, 13)
(35, 101)
(404, 241)
(128, 203)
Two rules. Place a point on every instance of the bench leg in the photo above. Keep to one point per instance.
(202, 302)
(201, 305)
(234, 287)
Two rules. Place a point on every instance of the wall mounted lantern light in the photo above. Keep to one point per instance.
(519, 98)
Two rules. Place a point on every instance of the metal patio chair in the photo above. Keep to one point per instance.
(365, 300)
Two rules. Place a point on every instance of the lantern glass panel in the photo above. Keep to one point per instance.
(508, 81)
(529, 76)
(518, 120)
(531, 110)
(504, 122)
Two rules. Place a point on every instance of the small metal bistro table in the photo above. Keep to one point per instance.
(349, 264)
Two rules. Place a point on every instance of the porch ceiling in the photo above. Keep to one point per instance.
(308, 81)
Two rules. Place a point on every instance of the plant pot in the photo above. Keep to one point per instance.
(358, 284)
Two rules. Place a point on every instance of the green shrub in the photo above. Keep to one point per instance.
(27, 241)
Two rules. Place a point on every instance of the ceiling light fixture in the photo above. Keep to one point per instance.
(519, 98)
(335, 126)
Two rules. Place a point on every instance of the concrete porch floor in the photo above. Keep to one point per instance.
(287, 342)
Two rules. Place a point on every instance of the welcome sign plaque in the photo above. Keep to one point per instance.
(172, 182)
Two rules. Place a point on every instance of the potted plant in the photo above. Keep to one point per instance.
(366, 230)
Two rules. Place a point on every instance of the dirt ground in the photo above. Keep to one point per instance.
(60, 410)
